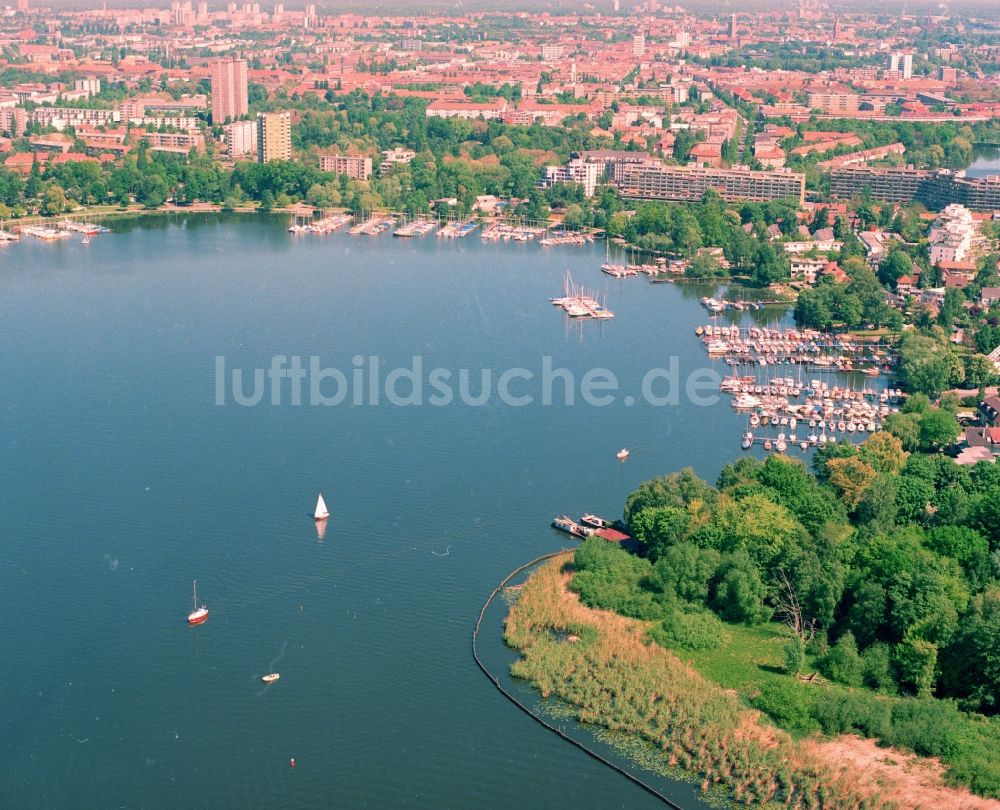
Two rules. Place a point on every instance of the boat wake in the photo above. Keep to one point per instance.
(446, 553)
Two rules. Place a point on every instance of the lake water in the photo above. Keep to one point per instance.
(124, 481)
(985, 162)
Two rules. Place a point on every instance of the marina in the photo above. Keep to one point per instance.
(46, 234)
(785, 412)
(579, 302)
(630, 270)
(374, 225)
(565, 238)
(715, 306)
(506, 232)
(418, 227)
(321, 226)
(86, 228)
(457, 230)
(810, 348)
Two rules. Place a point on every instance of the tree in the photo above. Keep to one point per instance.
(704, 265)
(53, 201)
(152, 191)
(768, 265)
(790, 610)
(683, 489)
(868, 612)
(971, 667)
(812, 309)
(896, 265)
(979, 371)
(938, 428)
(884, 452)
(574, 217)
(755, 524)
(659, 527)
(924, 363)
(905, 427)
(916, 660)
(876, 668)
(851, 477)
(739, 590)
(685, 570)
(821, 219)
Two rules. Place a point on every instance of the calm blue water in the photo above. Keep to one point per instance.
(124, 481)
(986, 162)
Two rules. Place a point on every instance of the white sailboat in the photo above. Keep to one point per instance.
(198, 613)
(322, 513)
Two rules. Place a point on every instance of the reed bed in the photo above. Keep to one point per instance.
(616, 679)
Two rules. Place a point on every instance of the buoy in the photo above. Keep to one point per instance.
(292, 762)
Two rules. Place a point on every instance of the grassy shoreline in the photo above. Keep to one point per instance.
(615, 679)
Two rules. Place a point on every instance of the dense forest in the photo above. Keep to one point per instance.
(881, 566)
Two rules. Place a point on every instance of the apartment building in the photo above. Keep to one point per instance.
(456, 108)
(898, 185)
(951, 235)
(613, 162)
(576, 170)
(394, 157)
(274, 137)
(179, 142)
(355, 168)
(834, 103)
(13, 120)
(229, 90)
(62, 117)
(901, 63)
(687, 184)
(935, 189)
(241, 139)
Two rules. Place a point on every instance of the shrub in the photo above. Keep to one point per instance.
(876, 668)
(790, 704)
(794, 653)
(690, 629)
(928, 727)
(842, 663)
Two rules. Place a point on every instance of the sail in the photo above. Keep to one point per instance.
(321, 510)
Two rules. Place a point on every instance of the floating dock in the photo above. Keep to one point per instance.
(418, 227)
(578, 302)
(374, 226)
(458, 230)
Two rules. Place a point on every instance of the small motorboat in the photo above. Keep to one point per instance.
(271, 678)
(622, 454)
(595, 522)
